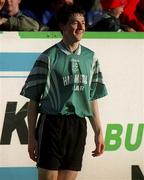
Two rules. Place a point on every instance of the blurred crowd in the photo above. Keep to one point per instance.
(100, 15)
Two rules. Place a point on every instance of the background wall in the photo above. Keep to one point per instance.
(122, 111)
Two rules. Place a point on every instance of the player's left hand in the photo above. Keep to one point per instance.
(99, 142)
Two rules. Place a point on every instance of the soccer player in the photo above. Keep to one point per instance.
(63, 86)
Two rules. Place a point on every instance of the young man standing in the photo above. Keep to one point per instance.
(63, 86)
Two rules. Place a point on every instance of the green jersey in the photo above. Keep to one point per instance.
(64, 82)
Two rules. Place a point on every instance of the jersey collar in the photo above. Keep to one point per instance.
(64, 49)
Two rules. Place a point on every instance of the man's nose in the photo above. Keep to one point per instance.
(80, 26)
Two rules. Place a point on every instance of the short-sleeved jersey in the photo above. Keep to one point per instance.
(64, 82)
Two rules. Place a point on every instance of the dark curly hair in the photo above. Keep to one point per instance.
(66, 11)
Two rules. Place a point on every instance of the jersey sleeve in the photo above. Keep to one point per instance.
(35, 83)
(97, 86)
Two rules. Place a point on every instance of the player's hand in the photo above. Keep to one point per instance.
(33, 149)
(99, 142)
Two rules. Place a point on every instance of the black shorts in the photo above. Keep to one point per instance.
(61, 140)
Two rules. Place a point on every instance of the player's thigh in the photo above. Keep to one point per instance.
(67, 175)
(44, 174)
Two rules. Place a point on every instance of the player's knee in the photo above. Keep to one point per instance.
(67, 175)
(47, 174)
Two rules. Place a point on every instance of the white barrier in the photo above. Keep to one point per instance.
(122, 64)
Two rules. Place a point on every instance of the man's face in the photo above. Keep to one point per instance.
(12, 7)
(118, 11)
(74, 28)
(68, 1)
(2, 4)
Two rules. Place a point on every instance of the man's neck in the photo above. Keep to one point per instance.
(71, 46)
(14, 12)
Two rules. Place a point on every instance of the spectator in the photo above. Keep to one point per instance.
(94, 14)
(110, 20)
(140, 14)
(34, 9)
(2, 19)
(133, 14)
(1, 4)
(15, 20)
